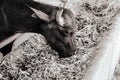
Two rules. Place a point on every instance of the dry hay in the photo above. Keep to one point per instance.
(35, 60)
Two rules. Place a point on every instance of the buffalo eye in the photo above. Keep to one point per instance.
(68, 33)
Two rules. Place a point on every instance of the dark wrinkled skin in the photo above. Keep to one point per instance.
(15, 16)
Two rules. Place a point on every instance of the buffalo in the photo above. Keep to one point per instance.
(56, 24)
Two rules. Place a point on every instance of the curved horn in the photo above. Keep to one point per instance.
(60, 20)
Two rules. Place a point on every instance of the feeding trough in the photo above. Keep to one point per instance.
(107, 57)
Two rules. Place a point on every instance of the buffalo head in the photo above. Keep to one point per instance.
(59, 30)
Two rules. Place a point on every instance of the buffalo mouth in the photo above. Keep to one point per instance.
(64, 51)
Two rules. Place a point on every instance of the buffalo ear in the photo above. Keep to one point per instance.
(39, 14)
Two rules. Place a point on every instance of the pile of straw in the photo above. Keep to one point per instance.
(35, 60)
